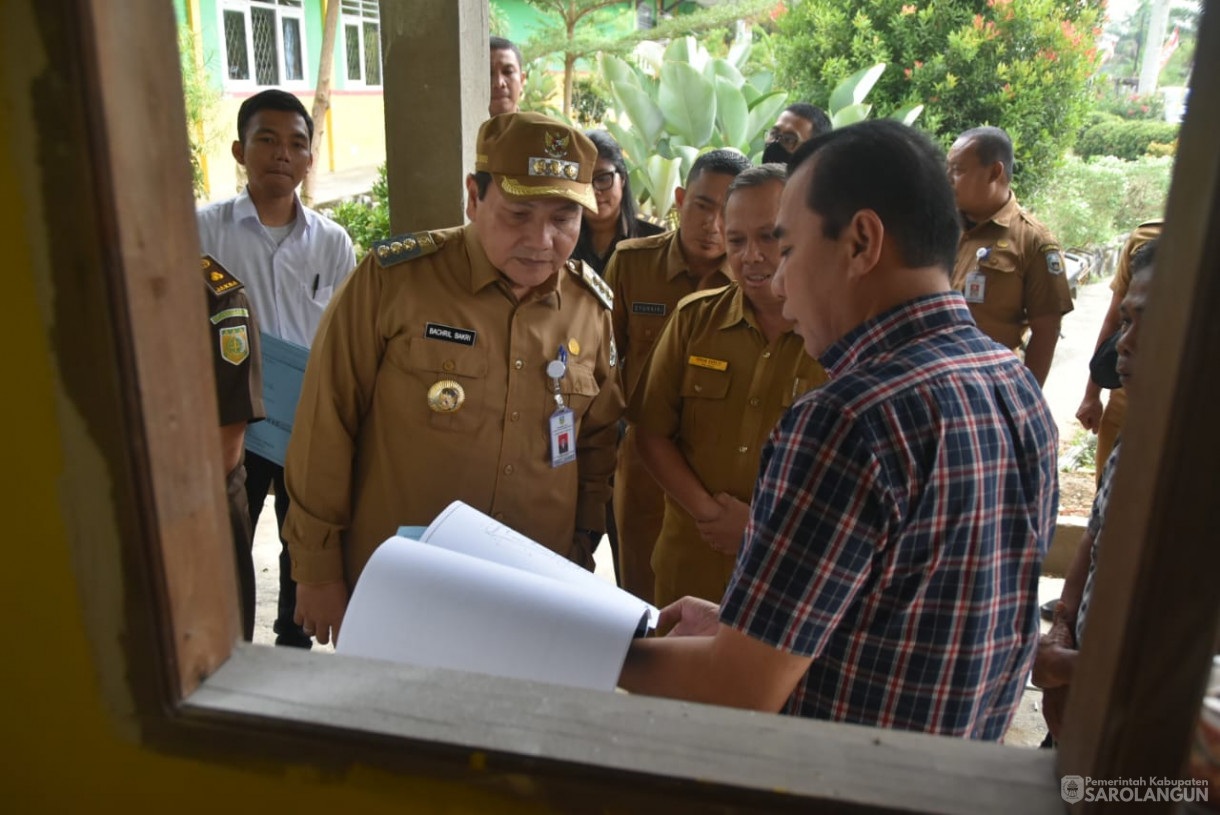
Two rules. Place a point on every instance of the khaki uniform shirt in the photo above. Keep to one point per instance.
(649, 276)
(717, 388)
(1019, 278)
(369, 453)
(1142, 234)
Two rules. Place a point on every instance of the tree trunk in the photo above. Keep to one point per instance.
(321, 96)
(1154, 41)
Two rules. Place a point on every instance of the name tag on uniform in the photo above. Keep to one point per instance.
(708, 362)
(652, 309)
(448, 333)
(975, 289)
(563, 437)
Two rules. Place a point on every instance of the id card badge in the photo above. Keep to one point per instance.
(976, 287)
(563, 437)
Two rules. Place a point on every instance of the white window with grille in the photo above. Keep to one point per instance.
(263, 43)
(361, 43)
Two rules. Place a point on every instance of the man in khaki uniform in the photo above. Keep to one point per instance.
(461, 364)
(238, 368)
(726, 367)
(1107, 424)
(1009, 267)
(649, 276)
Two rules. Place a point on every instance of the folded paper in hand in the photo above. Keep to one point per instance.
(473, 595)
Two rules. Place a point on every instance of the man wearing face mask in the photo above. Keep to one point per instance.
(796, 125)
(649, 276)
(474, 363)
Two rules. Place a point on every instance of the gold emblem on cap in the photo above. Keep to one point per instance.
(573, 346)
(446, 396)
(409, 243)
(570, 171)
(556, 144)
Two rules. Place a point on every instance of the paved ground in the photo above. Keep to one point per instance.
(1064, 387)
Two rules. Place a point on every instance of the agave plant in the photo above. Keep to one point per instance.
(677, 102)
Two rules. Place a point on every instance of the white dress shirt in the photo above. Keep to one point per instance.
(289, 284)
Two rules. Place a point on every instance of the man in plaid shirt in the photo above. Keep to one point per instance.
(889, 572)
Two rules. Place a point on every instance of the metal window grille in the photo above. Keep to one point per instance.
(235, 45)
(352, 41)
(266, 54)
(372, 53)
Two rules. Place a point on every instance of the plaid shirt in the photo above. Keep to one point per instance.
(899, 525)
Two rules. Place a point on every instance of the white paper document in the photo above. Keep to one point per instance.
(474, 595)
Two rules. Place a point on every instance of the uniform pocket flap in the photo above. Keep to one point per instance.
(704, 383)
(445, 358)
(580, 380)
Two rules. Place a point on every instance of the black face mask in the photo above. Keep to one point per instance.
(774, 153)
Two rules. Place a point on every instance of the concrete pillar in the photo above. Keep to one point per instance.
(435, 60)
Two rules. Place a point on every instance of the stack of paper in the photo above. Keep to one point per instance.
(474, 595)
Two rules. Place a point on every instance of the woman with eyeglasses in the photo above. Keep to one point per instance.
(616, 217)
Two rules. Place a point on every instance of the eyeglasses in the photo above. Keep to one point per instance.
(786, 138)
(604, 181)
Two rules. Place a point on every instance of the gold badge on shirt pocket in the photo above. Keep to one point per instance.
(446, 396)
(234, 344)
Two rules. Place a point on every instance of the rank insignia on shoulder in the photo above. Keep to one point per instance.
(217, 277)
(404, 247)
(1054, 261)
(593, 280)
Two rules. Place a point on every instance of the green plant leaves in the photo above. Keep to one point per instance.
(851, 91)
(732, 114)
(688, 101)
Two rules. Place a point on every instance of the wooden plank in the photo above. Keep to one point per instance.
(581, 746)
(1153, 616)
(147, 232)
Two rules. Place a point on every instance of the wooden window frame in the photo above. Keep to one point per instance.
(193, 689)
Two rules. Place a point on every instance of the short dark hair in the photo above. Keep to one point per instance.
(1143, 259)
(756, 177)
(895, 171)
(270, 99)
(503, 44)
(481, 179)
(812, 114)
(991, 144)
(723, 160)
(608, 149)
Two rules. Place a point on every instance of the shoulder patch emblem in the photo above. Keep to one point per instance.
(404, 247)
(599, 287)
(1054, 261)
(234, 344)
(217, 277)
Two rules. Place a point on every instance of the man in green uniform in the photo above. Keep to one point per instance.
(649, 276)
(1009, 267)
(725, 368)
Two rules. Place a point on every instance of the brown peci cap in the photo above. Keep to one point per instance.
(534, 156)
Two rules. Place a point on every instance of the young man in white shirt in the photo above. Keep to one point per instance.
(290, 259)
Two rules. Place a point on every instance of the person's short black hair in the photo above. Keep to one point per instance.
(991, 144)
(503, 44)
(608, 149)
(1143, 260)
(812, 114)
(756, 177)
(723, 160)
(481, 179)
(895, 171)
(270, 99)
